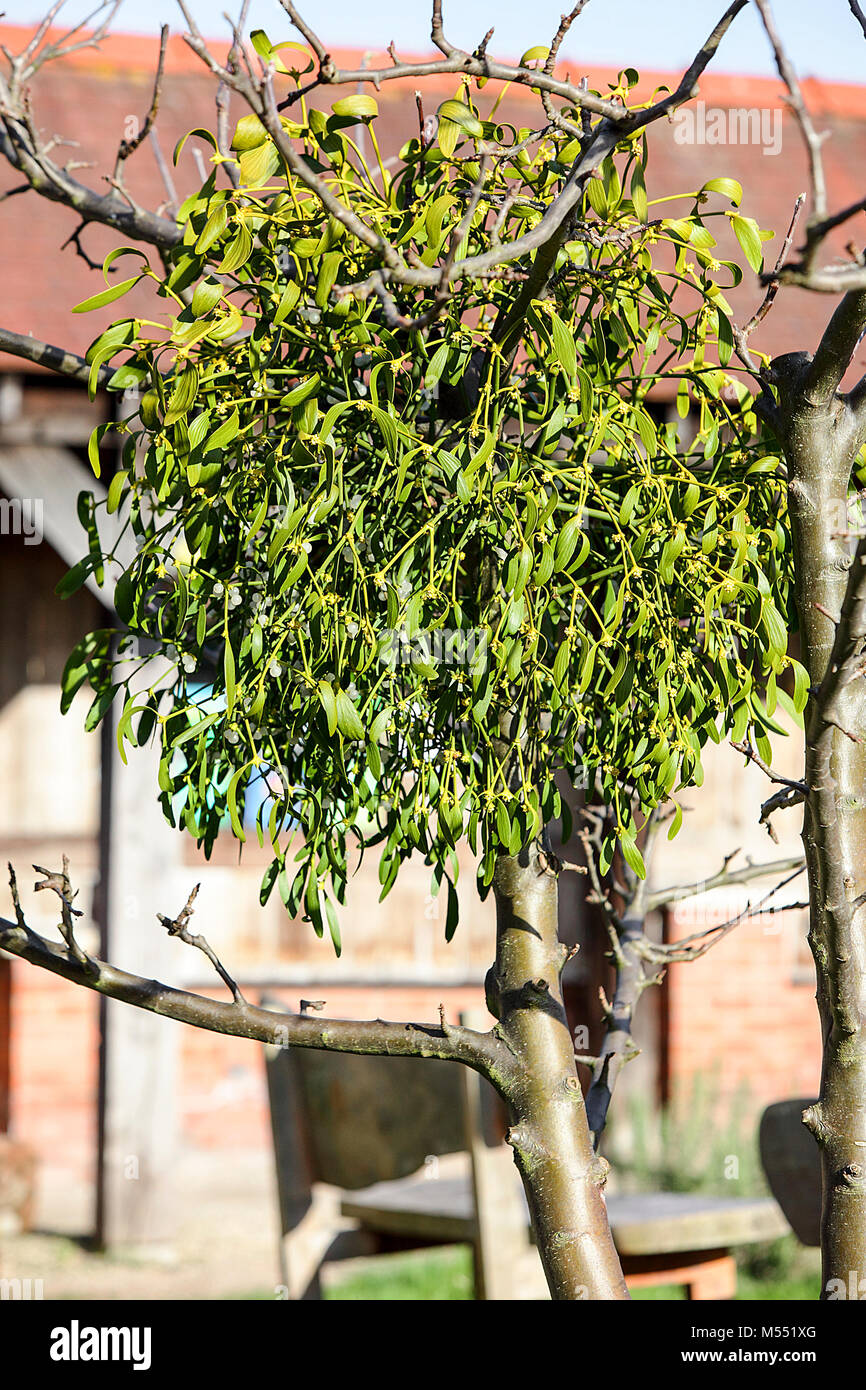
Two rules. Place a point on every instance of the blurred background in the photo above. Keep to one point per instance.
(148, 1146)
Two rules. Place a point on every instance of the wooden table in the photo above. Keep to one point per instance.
(662, 1237)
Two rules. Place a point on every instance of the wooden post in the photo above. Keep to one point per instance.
(5, 1042)
(138, 1050)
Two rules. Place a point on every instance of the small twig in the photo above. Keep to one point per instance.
(128, 147)
(16, 900)
(236, 53)
(74, 239)
(419, 106)
(858, 15)
(177, 926)
(164, 172)
(316, 1004)
(754, 757)
(481, 50)
(781, 800)
(828, 719)
(59, 883)
(742, 335)
(826, 612)
(555, 117)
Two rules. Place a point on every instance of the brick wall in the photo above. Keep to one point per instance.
(223, 1101)
(54, 1060)
(746, 1011)
(221, 1089)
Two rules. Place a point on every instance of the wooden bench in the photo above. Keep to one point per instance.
(662, 1237)
(379, 1154)
(344, 1125)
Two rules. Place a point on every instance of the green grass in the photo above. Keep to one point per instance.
(748, 1290)
(804, 1288)
(427, 1275)
(446, 1275)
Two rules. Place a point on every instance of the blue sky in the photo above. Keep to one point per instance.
(822, 38)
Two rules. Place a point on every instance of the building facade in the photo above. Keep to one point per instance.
(93, 1090)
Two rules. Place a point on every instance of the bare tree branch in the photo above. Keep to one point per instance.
(753, 757)
(222, 96)
(46, 355)
(858, 15)
(482, 1051)
(455, 60)
(781, 800)
(836, 349)
(616, 123)
(839, 278)
(848, 657)
(22, 146)
(792, 793)
(58, 883)
(742, 335)
(128, 147)
(633, 976)
(811, 138)
(34, 55)
(725, 877)
(555, 117)
(694, 946)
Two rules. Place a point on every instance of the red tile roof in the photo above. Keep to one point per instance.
(88, 97)
(137, 53)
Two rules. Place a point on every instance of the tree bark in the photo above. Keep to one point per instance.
(562, 1175)
(619, 1045)
(820, 445)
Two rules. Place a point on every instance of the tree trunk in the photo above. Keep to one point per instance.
(819, 454)
(562, 1176)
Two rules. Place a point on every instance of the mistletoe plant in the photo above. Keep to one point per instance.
(407, 566)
